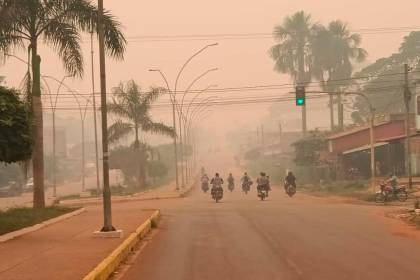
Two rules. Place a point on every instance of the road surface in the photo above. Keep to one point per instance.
(282, 238)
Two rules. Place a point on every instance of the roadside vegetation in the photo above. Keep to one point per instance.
(19, 218)
(350, 189)
(132, 108)
(60, 25)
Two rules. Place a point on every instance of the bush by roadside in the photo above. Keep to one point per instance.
(351, 189)
(19, 218)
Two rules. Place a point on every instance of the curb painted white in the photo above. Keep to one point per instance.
(18, 233)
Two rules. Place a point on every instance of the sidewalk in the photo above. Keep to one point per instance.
(164, 192)
(68, 250)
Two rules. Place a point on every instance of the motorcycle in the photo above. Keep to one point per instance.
(217, 193)
(262, 192)
(205, 186)
(387, 193)
(231, 186)
(246, 187)
(290, 189)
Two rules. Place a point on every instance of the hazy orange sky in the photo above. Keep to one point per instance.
(240, 62)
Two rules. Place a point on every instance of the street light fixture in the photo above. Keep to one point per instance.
(172, 97)
(53, 110)
(180, 113)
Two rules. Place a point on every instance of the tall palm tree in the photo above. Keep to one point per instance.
(292, 55)
(58, 23)
(133, 109)
(335, 50)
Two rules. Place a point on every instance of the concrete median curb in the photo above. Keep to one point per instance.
(96, 201)
(18, 233)
(104, 269)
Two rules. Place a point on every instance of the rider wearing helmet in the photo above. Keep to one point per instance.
(216, 182)
(230, 179)
(263, 182)
(205, 178)
(245, 178)
(290, 180)
(393, 181)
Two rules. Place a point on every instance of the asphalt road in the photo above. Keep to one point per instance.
(281, 238)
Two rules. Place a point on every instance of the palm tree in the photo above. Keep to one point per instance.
(133, 109)
(292, 55)
(58, 23)
(335, 49)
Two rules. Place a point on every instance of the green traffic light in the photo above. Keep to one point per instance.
(300, 102)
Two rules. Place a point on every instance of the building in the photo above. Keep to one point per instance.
(350, 150)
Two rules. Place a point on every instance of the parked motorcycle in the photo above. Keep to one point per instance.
(262, 192)
(205, 186)
(217, 193)
(290, 189)
(231, 186)
(246, 187)
(387, 193)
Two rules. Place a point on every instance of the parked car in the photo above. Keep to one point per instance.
(29, 186)
(12, 189)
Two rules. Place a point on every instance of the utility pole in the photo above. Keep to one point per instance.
(340, 110)
(98, 183)
(105, 157)
(258, 137)
(262, 136)
(407, 98)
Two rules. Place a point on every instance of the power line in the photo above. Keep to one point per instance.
(255, 35)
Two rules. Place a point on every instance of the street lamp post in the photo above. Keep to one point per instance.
(172, 97)
(53, 110)
(180, 116)
(98, 183)
(185, 116)
(174, 103)
(371, 136)
(107, 227)
(82, 112)
(188, 127)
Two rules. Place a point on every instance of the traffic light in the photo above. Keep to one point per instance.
(300, 96)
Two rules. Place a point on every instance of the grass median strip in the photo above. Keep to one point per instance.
(18, 218)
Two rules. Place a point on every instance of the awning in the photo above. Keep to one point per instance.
(364, 148)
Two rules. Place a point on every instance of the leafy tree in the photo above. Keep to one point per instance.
(15, 137)
(384, 80)
(10, 172)
(307, 150)
(133, 109)
(58, 23)
(157, 169)
(292, 54)
(124, 159)
(335, 49)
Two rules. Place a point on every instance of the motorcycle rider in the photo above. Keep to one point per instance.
(290, 180)
(245, 178)
(216, 183)
(393, 181)
(230, 179)
(205, 178)
(263, 182)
